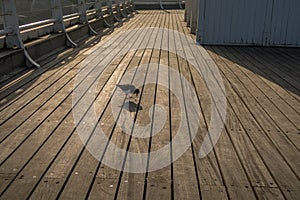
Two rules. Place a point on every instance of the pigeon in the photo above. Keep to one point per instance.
(129, 89)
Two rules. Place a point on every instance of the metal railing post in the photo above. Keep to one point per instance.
(11, 24)
(132, 6)
(59, 25)
(83, 16)
(161, 5)
(194, 16)
(117, 4)
(180, 4)
(187, 15)
(109, 4)
(110, 12)
(98, 7)
(124, 9)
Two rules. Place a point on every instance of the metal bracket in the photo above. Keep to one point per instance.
(180, 5)
(127, 10)
(132, 7)
(14, 39)
(117, 19)
(161, 5)
(107, 24)
(59, 25)
(125, 16)
(83, 16)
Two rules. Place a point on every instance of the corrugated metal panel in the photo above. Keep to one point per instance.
(255, 22)
(285, 26)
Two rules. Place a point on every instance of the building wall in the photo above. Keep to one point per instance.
(249, 22)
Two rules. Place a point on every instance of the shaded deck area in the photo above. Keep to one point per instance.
(257, 155)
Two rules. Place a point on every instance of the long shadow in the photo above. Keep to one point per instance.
(279, 65)
(17, 85)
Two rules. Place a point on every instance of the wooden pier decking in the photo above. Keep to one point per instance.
(257, 154)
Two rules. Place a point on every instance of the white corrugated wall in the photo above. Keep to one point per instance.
(249, 22)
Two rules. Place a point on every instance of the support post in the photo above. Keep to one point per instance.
(110, 12)
(118, 11)
(98, 7)
(187, 14)
(83, 16)
(179, 3)
(194, 16)
(132, 7)
(59, 25)
(201, 22)
(123, 9)
(13, 38)
(161, 5)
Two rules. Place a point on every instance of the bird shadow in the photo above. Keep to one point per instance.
(132, 107)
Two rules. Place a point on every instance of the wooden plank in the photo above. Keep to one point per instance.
(287, 124)
(80, 170)
(132, 184)
(158, 183)
(259, 68)
(45, 111)
(34, 168)
(293, 84)
(186, 185)
(208, 167)
(117, 187)
(48, 160)
(37, 77)
(266, 77)
(278, 102)
(283, 143)
(70, 190)
(262, 144)
(35, 105)
(46, 132)
(235, 176)
(213, 192)
(292, 53)
(281, 62)
(268, 193)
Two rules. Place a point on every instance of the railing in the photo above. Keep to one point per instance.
(53, 16)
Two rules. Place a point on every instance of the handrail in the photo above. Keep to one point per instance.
(49, 21)
(36, 24)
(12, 30)
(71, 15)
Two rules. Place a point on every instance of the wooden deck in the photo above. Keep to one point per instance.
(257, 154)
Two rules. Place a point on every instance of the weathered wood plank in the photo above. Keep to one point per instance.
(186, 182)
(132, 184)
(158, 183)
(262, 144)
(121, 140)
(235, 176)
(283, 143)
